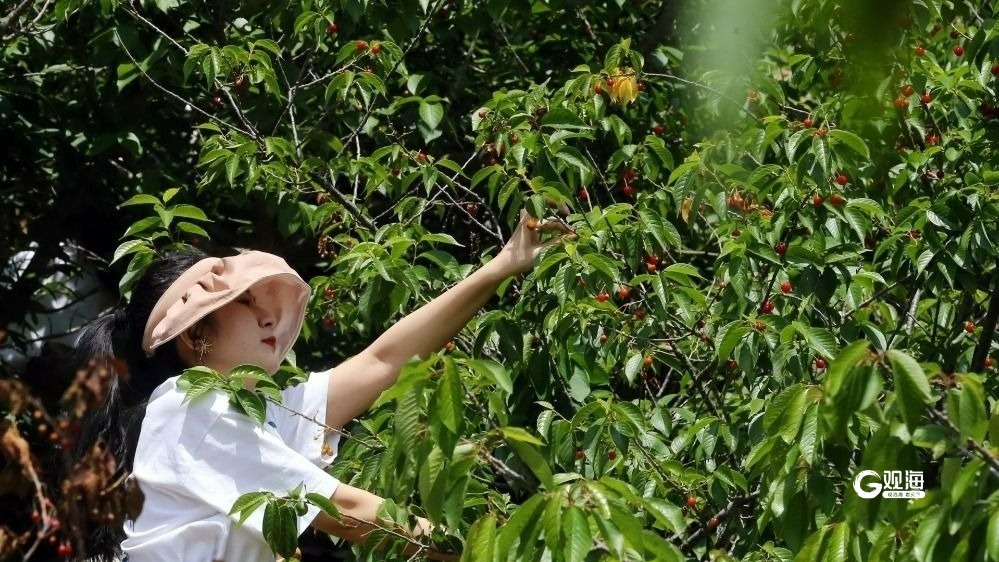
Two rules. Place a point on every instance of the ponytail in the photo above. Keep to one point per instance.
(114, 342)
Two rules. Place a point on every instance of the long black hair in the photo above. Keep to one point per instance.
(114, 340)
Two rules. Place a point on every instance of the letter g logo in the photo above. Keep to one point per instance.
(873, 488)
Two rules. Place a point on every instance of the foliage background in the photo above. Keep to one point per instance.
(769, 143)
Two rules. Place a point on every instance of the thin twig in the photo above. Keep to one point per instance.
(175, 96)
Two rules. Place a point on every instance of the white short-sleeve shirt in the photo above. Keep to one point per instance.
(193, 460)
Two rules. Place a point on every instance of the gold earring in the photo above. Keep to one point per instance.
(202, 347)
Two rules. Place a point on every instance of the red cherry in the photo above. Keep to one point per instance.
(767, 307)
(651, 259)
(732, 363)
(926, 99)
(196, 242)
(583, 194)
(602, 296)
(969, 327)
(821, 132)
(610, 81)
(836, 199)
(361, 45)
(807, 122)
(36, 517)
(908, 90)
(901, 102)
(328, 293)
(988, 362)
(658, 129)
(817, 200)
(647, 361)
(766, 213)
(920, 51)
(623, 292)
(932, 139)
(640, 86)
(375, 49)
(958, 50)
(691, 501)
(603, 338)
(914, 234)
(760, 326)
(597, 89)
(736, 233)
(781, 248)
(612, 454)
(580, 455)
(785, 287)
(396, 171)
(421, 156)
(449, 346)
(820, 363)
(640, 314)
(328, 321)
(954, 34)
(841, 179)
(995, 69)
(331, 28)
(627, 190)
(629, 174)
(713, 523)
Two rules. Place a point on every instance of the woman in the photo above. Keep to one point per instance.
(191, 460)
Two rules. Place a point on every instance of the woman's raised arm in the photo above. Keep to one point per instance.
(356, 383)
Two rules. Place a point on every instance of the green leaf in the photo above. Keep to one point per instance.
(281, 529)
(534, 460)
(494, 372)
(448, 400)
(992, 536)
(839, 540)
(971, 417)
(561, 118)
(140, 199)
(250, 372)
(911, 387)
(481, 541)
(252, 405)
(851, 140)
(520, 434)
(819, 340)
(129, 247)
(576, 531)
(246, 504)
(189, 212)
(323, 503)
(843, 364)
(431, 114)
(632, 367)
(522, 526)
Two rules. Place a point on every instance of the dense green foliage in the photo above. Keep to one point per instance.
(785, 271)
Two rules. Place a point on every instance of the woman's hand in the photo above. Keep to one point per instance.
(524, 245)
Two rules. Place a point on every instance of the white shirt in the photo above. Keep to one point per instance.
(193, 460)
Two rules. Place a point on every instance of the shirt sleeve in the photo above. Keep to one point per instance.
(301, 422)
(237, 456)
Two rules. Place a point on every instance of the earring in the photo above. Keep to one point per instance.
(202, 347)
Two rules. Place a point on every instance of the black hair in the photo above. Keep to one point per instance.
(114, 340)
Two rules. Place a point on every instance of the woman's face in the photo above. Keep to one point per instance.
(242, 331)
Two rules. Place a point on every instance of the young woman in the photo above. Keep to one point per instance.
(191, 460)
